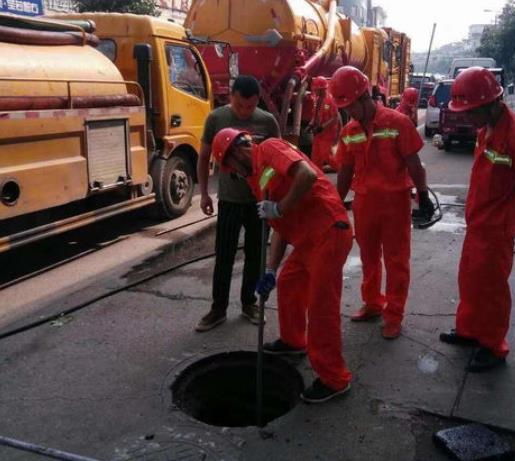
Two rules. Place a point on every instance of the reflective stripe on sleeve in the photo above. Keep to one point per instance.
(266, 176)
(498, 159)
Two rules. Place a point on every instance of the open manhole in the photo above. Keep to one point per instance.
(220, 390)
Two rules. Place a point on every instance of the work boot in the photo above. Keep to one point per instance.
(452, 337)
(279, 347)
(391, 330)
(318, 392)
(212, 319)
(251, 313)
(366, 313)
(484, 360)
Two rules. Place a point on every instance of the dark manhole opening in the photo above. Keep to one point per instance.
(220, 390)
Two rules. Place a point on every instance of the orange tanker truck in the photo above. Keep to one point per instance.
(284, 43)
(77, 142)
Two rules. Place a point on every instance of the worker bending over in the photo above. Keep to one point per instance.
(483, 316)
(304, 209)
(378, 155)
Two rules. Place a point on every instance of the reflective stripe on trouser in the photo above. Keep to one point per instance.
(382, 223)
(485, 299)
(311, 282)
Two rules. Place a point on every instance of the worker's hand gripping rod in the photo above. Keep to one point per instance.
(262, 299)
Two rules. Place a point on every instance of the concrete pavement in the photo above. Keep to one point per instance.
(98, 383)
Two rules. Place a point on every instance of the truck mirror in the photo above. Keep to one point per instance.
(142, 52)
(511, 88)
(219, 50)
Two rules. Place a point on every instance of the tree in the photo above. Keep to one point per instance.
(498, 41)
(119, 6)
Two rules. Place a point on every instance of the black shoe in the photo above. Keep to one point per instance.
(210, 320)
(279, 347)
(484, 360)
(454, 338)
(318, 392)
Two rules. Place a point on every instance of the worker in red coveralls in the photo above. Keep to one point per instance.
(378, 154)
(325, 125)
(304, 209)
(483, 316)
(409, 104)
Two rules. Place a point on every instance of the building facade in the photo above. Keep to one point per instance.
(355, 9)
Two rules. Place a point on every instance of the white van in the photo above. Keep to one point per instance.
(463, 63)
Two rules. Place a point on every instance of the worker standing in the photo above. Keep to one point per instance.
(378, 154)
(325, 125)
(304, 210)
(483, 316)
(236, 204)
(409, 104)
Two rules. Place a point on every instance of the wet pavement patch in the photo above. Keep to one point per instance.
(220, 390)
(473, 442)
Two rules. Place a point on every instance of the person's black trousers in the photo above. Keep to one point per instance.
(231, 218)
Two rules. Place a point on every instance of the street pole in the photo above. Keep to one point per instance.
(427, 63)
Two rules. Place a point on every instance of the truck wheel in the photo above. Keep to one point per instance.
(447, 145)
(427, 131)
(173, 178)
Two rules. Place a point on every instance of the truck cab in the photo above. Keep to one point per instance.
(463, 63)
(158, 54)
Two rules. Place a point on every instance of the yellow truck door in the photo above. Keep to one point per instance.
(187, 93)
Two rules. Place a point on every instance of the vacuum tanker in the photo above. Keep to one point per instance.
(284, 43)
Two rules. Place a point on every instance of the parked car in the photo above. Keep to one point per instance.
(440, 97)
(425, 84)
(455, 126)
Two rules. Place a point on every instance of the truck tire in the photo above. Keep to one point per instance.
(447, 145)
(428, 132)
(173, 179)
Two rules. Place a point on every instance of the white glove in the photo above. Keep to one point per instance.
(268, 210)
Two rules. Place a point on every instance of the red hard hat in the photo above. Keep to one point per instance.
(347, 85)
(410, 96)
(221, 143)
(319, 83)
(474, 87)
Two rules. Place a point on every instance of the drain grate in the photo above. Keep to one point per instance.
(220, 390)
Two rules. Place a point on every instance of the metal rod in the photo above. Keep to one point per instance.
(261, 329)
(41, 450)
(427, 63)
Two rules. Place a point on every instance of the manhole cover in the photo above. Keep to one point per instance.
(220, 390)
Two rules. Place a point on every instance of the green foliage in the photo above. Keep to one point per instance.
(119, 6)
(498, 41)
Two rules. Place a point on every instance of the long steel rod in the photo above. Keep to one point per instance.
(261, 329)
(41, 450)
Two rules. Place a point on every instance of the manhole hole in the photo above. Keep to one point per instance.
(220, 390)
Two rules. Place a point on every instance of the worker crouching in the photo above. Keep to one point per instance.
(483, 316)
(304, 210)
(378, 154)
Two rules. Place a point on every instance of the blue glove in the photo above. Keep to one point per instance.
(268, 210)
(266, 284)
